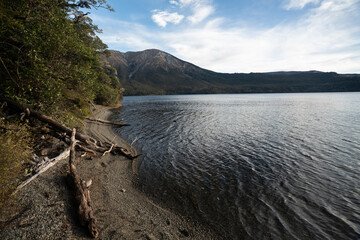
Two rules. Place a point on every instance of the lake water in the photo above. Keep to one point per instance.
(254, 166)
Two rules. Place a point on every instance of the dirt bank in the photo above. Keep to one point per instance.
(46, 208)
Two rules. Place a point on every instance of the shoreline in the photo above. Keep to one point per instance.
(46, 207)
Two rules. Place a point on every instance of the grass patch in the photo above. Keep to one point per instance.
(15, 152)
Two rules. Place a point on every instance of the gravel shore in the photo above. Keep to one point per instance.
(46, 207)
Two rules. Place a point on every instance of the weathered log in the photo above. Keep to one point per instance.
(108, 122)
(46, 119)
(85, 149)
(124, 152)
(115, 150)
(45, 167)
(91, 142)
(82, 193)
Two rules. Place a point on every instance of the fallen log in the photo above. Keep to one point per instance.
(85, 149)
(82, 193)
(47, 166)
(108, 122)
(115, 150)
(46, 119)
(91, 143)
(124, 152)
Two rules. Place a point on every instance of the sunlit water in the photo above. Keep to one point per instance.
(254, 166)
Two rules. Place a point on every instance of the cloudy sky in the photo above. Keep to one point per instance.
(240, 35)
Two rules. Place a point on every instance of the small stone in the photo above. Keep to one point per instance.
(58, 213)
(47, 194)
(26, 222)
(184, 232)
(122, 190)
(150, 237)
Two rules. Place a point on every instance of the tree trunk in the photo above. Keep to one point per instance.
(54, 124)
(44, 168)
(82, 193)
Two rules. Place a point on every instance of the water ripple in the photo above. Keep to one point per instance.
(260, 166)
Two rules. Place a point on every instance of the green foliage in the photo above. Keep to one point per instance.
(50, 60)
(48, 48)
(15, 142)
(109, 92)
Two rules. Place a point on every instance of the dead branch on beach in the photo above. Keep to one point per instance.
(108, 151)
(87, 150)
(108, 122)
(44, 167)
(82, 193)
(88, 144)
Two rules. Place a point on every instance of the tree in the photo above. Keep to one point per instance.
(49, 54)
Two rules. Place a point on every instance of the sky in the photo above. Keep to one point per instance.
(240, 35)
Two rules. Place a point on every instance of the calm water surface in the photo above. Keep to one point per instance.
(255, 166)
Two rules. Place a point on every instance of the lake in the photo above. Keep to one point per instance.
(253, 166)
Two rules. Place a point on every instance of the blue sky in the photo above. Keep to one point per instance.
(240, 35)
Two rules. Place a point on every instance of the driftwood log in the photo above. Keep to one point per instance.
(82, 193)
(88, 142)
(108, 122)
(46, 119)
(44, 168)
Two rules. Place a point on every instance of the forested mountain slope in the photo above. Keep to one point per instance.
(156, 72)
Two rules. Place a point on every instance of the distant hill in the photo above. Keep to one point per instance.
(154, 72)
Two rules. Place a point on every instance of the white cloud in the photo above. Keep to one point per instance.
(162, 18)
(174, 2)
(123, 35)
(200, 13)
(198, 10)
(185, 3)
(298, 4)
(327, 38)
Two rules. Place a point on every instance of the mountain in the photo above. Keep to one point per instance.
(154, 72)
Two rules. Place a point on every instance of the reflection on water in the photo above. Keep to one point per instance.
(259, 166)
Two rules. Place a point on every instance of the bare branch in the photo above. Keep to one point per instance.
(9, 73)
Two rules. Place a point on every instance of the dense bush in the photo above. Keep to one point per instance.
(49, 47)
